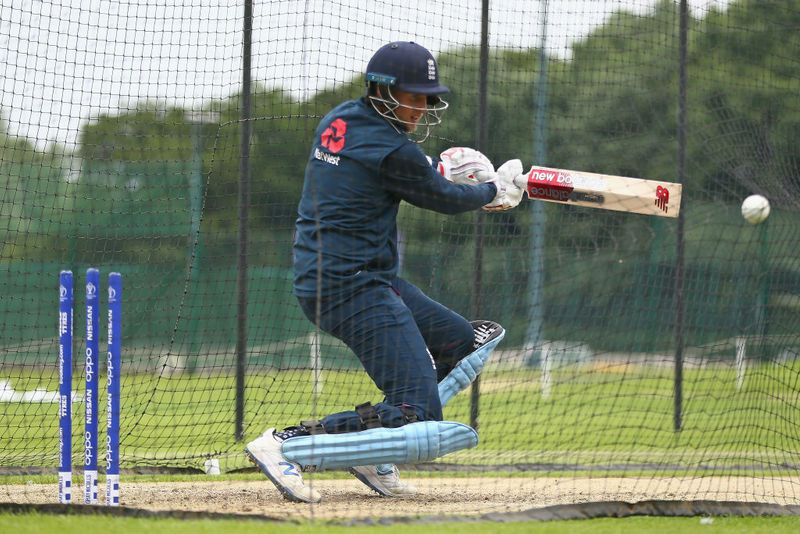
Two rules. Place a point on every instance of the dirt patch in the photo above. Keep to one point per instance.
(463, 497)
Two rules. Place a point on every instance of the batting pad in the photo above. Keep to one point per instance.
(412, 443)
(465, 372)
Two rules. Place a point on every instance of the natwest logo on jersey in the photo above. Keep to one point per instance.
(333, 136)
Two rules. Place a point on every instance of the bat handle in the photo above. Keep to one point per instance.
(521, 181)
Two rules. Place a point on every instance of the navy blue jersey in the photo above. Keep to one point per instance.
(358, 171)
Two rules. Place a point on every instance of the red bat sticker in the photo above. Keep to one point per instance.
(550, 185)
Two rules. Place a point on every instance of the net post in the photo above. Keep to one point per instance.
(677, 419)
(244, 199)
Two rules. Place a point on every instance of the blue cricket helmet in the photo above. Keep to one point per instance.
(406, 66)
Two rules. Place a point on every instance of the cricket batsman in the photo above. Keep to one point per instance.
(365, 159)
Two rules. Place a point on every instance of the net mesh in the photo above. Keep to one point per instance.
(120, 149)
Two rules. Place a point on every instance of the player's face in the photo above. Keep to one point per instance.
(411, 109)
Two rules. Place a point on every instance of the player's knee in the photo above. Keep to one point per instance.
(431, 409)
(456, 350)
(434, 409)
(467, 339)
(404, 414)
(463, 337)
(396, 415)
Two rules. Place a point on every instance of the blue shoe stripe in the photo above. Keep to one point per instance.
(290, 469)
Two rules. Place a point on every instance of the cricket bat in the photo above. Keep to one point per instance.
(604, 191)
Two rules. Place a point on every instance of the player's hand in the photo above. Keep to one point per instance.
(508, 193)
(463, 165)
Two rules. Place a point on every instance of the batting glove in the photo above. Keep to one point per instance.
(508, 193)
(462, 165)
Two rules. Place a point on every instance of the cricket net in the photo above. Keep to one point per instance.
(646, 358)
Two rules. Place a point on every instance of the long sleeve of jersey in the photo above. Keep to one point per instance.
(408, 175)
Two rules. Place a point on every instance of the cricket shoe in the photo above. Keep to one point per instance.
(265, 452)
(485, 331)
(383, 480)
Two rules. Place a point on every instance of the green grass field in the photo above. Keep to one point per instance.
(599, 422)
(594, 417)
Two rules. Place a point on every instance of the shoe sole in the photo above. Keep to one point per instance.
(288, 495)
(364, 480)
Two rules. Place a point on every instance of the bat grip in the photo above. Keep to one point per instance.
(521, 181)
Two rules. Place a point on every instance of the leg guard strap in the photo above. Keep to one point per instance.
(368, 415)
(412, 443)
(313, 427)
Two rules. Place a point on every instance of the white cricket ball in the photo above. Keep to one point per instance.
(755, 209)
